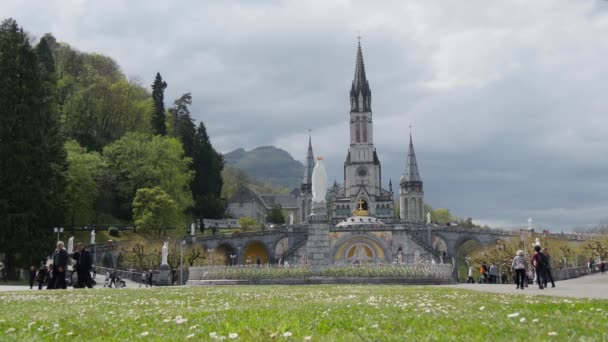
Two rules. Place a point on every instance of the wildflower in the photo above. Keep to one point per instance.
(513, 315)
(375, 326)
(535, 320)
(145, 333)
(69, 333)
(523, 319)
(307, 338)
(482, 308)
(10, 330)
(287, 334)
(552, 333)
(190, 336)
(232, 336)
(213, 335)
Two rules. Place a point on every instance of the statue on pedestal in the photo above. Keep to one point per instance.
(165, 253)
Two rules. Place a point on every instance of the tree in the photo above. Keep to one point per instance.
(207, 183)
(247, 222)
(82, 178)
(31, 150)
(183, 126)
(139, 160)
(154, 209)
(441, 216)
(158, 97)
(276, 215)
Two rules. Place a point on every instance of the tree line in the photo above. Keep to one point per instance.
(81, 144)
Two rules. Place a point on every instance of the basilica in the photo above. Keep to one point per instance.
(362, 193)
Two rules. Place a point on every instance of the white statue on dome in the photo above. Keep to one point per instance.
(319, 181)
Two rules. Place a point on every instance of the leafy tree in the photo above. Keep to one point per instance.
(276, 215)
(31, 150)
(154, 209)
(158, 97)
(139, 160)
(441, 216)
(247, 222)
(82, 178)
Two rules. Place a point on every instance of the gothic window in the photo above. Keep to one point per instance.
(364, 129)
(357, 130)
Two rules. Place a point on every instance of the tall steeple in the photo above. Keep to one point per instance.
(411, 194)
(360, 94)
(411, 166)
(308, 167)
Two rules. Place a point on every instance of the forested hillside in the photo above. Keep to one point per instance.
(268, 165)
(83, 145)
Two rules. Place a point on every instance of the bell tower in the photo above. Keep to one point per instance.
(411, 204)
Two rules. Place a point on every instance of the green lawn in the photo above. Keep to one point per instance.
(325, 312)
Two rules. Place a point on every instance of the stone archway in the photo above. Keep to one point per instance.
(361, 248)
(462, 249)
(281, 247)
(255, 250)
(221, 255)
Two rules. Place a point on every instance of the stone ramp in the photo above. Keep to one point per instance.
(590, 286)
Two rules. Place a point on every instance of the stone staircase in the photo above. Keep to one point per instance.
(421, 240)
(295, 248)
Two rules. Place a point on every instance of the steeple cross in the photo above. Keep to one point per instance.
(410, 126)
(360, 203)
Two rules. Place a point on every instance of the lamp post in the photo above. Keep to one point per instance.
(181, 262)
(58, 231)
(499, 248)
(233, 257)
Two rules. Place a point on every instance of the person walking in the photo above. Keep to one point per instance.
(519, 266)
(60, 264)
(143, 279)
(493, 273)
(84, 262)
(150, 278)
(41, 275)
(32, 276)
(539, 268)
(547, 263)
(470, 279)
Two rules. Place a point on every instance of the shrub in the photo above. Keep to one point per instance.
(113, 231)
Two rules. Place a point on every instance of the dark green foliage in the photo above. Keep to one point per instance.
(183, 125)
(276, 215)
(159, 124)
(207, 183)
(113, 231)
(31, 150)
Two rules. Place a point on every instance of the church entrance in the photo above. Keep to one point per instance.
(358, 250)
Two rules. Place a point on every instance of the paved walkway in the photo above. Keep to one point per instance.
(99, 279)
(590, 286)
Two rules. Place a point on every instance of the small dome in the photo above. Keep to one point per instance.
(362, 221)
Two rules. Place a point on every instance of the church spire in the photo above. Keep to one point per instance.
(411, 166)
(308, 167)
(360, 94)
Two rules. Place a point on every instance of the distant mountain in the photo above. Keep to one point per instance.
(267, 165)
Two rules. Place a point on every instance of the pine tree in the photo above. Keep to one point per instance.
(183, 125)
(207, 184)
(31, 151)
(158, 96)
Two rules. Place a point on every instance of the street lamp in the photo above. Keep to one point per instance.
(499, 248)
(181, 262)
(58, 231)
(233, 257)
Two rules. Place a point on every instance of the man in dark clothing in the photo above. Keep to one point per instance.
(83, 266)
(60, 264)
(41, 275)
(539, 268)
(32, 276)
(547, 264)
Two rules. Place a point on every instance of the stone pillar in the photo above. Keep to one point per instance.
(317, 247)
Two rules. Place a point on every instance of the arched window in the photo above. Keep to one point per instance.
(357, 130)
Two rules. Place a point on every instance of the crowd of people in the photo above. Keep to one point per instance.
(524, 271)
(54, 275)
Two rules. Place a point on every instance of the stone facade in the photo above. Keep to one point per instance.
(247, 203)
(362, 169)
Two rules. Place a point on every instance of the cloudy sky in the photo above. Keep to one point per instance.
(507, 98)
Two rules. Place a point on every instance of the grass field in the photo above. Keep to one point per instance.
(299, 313)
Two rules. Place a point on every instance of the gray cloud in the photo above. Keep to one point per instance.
(507, 98)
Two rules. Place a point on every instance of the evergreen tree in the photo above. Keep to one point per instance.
(207, 183)
(276, 215)
(158, 96)
(183, 125)
(31, 151)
